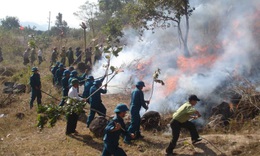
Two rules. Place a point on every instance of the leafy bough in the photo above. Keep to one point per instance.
(49, 114)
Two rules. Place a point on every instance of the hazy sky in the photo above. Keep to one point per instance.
(37, 11)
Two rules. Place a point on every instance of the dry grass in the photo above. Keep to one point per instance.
(20, 136)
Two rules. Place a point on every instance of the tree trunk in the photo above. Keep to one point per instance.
(185, 43)
(93, 29)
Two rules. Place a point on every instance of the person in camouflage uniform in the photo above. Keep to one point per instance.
(40, 56)
(63, 56)
(70, 56)
(88, 55)
(78, 54)
(33, 56)
(26, 56)
(54, 56)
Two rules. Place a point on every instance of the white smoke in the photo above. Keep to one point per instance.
(160, 50)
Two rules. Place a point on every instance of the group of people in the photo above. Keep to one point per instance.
(29, 56)
(69, 55)
(70, 81)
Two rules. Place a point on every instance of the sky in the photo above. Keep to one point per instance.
(37, 11)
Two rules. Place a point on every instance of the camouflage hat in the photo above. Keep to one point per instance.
(75, 81)
(34, 69)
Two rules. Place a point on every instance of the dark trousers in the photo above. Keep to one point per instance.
(72, 120)
(88, 60)
(25, 61)
(64, 94)
(40, 60)
(135, 125)
(111, 150)
(53, 62)
(176, 128)
(102, 112)
(63, 60)
(35, 94)
(71, 61)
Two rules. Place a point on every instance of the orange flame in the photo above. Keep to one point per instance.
(171, 84)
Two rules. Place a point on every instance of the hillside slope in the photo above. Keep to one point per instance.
(22, 137)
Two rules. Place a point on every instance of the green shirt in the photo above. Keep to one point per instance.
(184, 112)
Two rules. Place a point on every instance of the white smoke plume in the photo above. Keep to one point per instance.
(231, 49)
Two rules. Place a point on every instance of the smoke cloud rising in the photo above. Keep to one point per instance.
(221, 41)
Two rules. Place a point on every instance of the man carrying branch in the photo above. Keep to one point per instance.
(181, 120)
(95, 101)
(72, 118)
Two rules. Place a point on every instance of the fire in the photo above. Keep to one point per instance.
(171, 84)
(191, 65)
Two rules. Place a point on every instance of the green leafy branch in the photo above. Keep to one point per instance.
(49, 114)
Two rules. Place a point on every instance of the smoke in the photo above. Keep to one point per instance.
(221, 42)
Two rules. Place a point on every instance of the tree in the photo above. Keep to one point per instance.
(113, 28)
(10, 23)
(88, 13)
(110, 5)
(61, 25)
(163, 14)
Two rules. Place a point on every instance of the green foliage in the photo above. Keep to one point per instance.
(88, 13)
(10, 23)
(42, 120)
(51, 113)
(112, 47)
(61, 27)
(110, 5)
(31, 44)
(151, 14)
(160, 12)
(113, 28)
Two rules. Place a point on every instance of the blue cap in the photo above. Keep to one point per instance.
(74, 73)
(61, 65)
(34, 69)
(121, 108)
(57, 63)
(66, 72)
(90, 78)
(140, 84)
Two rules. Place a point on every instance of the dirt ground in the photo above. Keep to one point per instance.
(20, 136)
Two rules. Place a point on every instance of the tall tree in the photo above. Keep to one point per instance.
(10, 22)
(88, 13)
(110, 5)
(61, 24)
(152, 14)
